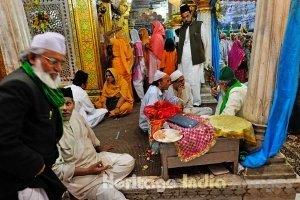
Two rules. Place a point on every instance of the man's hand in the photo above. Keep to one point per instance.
(97, 168)
(214, 91)
(180, 91)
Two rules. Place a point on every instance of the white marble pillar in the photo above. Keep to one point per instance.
(270, 25)
(14, 32)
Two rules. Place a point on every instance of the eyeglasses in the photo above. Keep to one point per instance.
(53, 61)
(179, 80)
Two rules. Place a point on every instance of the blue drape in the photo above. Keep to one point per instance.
(284, 94)
(214, 42)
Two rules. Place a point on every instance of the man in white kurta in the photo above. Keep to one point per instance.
(155, 93)
(86, 108)
(83, 104)
(182, 90)
(194, 74)
(85, 169)
(232, 94)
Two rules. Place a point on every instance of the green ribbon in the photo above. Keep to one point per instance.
(54, 96)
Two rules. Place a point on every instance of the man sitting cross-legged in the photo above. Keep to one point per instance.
(84, 166)
(183, 91)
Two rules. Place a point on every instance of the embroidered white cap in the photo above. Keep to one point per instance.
(175, 75)
(50, 41)
(158, 75)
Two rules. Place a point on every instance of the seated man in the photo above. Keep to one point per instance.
(84, 166)
(233, 94)
(156, 92)
(83, 104)
(183, 91)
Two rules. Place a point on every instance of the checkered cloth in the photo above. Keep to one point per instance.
(196, 141)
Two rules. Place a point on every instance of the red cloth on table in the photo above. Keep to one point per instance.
(158, 113)
(196, 141)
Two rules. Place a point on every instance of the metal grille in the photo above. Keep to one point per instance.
(59, 21)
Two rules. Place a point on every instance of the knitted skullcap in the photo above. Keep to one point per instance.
(226, 74)
(51, 41)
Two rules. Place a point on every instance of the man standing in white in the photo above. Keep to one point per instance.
(192, 52)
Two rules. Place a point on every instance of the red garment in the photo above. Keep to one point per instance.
(158, 114)
(236, 55)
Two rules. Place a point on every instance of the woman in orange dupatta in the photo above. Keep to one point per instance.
(157, 48)
(115, 96)
(169, 57)
(123, 56)
(144, 36)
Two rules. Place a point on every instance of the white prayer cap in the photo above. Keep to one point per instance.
(158, 75)
(175, 75)
(50, 41)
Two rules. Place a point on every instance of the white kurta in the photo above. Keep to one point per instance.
(193, 74)
(77, 149)
(187, 101)
(235, 102)
(85, 107)
(153, 95)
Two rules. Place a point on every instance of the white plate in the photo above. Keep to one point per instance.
(167, 135)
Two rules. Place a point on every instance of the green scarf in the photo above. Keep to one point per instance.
(54, 96)
(226, 96)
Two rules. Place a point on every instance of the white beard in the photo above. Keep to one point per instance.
(44, 76)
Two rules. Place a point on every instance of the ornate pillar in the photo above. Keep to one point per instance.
(87, 40)
(14, 33)
(107, 18)
(124, 9)
(270, 23)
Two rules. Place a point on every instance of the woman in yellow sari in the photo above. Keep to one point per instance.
(123, 56)
(116, 96)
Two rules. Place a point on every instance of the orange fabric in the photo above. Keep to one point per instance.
(123, 57)
(145, 40)
(120, 86)
(125, 109)
(158, 114)
(157, 40)
(144, 36)
(168, 61)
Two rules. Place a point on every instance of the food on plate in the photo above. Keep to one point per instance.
(160, 134)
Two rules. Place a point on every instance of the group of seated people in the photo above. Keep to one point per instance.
(85, 166)
(116, 99)
(230, 92)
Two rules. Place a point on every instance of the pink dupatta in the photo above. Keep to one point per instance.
(236, 55)
(157, 40)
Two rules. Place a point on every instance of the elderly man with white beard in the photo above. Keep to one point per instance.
(183, 91)
(31, 123)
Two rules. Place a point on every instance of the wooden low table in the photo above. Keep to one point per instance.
(225, 150)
